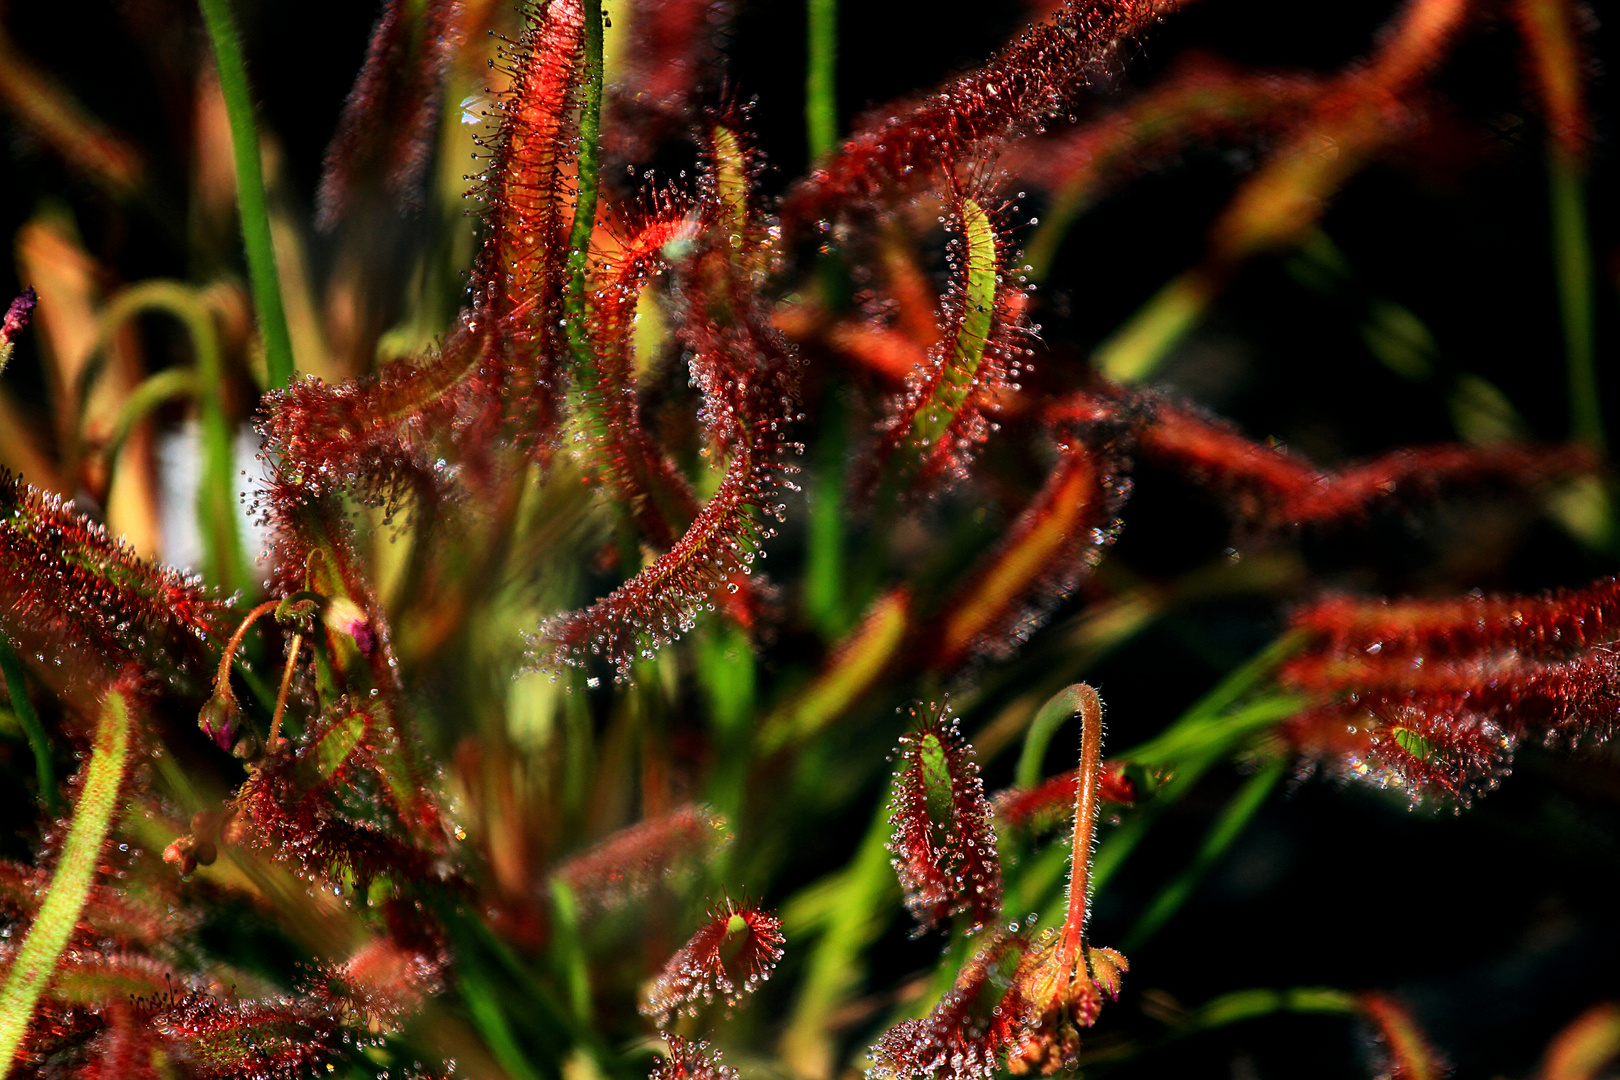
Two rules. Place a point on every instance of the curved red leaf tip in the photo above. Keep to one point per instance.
(1052, 800)
(1406, 1050)
(983, 1016)
(626, 864)
(944, 413)
(1433, 695)
(944, 845)
(1030, 81)
(389, 980)
(67, 585)
(1268, 486)
(689, 1060)
(1454, 753)
(730, 955)
(387, 123)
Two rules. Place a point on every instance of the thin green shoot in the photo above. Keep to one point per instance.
(250, 197)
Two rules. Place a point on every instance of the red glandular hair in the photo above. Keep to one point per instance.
(1267, 487)
(1041, 559)
(983, 1017)
(671, 55)
(388, 119)
(630, 464)
(627, 863)
(110, 914)
(1404, 1049)
(1434, 693)
(313, 545)
(1200, 101)
(747, 377)
(688, 1060)
(497, 375)
(70, 590)
(730, 955)
(156, 1015)
(343, 804)
(951, 391)
(271, 1039)
(944, 845)
(1029, 82)
(1052, 800)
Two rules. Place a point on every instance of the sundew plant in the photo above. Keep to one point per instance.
(597, 547)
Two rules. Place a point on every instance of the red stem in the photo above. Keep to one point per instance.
(1085, 823)
(281, 696)
(222, 680)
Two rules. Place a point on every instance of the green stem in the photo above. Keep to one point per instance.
(852, 910)
(1239, 812)
(1243, 1005)
(150, 394)
(1134, 352)
(227, 563)
(1572, 263)
(1066, 703)
(39, 742)
(579, 234)
(821, 78)
(36, 960)
(255, 215)
(567, 951)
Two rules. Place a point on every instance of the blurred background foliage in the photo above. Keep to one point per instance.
(1420, 303)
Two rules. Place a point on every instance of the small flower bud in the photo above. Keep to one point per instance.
(344, 616)
(219, 718)
(233, 829)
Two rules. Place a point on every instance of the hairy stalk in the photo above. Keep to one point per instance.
(1085, 824)
(261, 253)
(36, 960)
(821, 78)
(38, 741)
(222, 678)
(286, 685)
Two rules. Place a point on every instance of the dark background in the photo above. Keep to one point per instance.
(1496, 925)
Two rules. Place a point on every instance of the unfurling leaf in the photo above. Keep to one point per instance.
(729, 956)
(944, 845)
(979, 1020)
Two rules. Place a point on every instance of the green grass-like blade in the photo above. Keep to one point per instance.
(1572, 262)
(36, 961)
(227, 561)
(1239, 812)
(38, 742)
(255, 215)
(821, 78)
